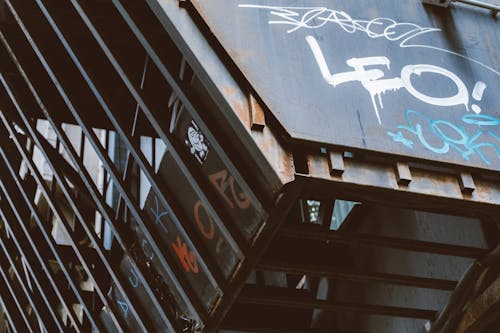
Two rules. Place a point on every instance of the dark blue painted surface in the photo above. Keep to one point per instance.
(387, 76)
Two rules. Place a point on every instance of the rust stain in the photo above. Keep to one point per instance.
(258, 117)
(480, 305)
(239, 106)
(280, 159)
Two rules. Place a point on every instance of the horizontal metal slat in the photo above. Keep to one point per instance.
(353, 275)
(313, 232)
(269, 296)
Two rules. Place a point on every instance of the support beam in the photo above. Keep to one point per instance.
(312, 232)
(351, 275)
(268, 296)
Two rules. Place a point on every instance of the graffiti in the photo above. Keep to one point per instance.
(461, 97)
(124, 307)
(477, 94)
(223, 183)
(158, 215)
(220, 242)
(197, 143)
(444, 83)
(186, 256)
(399, 137)
(133, 279)
(206, 232)
(381, 27)
(149, 253)
(441, 136)
(317, 17)
(372, 79)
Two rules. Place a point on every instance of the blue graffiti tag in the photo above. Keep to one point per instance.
(144, 246)
(158, 215)
(124, 307)
(399, 137)
(135, 281)
(450, 136)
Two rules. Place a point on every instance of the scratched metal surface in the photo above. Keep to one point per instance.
(387, 76)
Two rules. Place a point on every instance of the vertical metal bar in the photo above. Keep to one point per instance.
(181, 94)
(72, 154)
(46, 235)
(148, 171)
(34, 270)
(132, 307)
(67, 192)
(6, 312)
(82, 146)
(97, 201)
(213, 274)
(128, 161)
(54, 207)
(8, 286)
(114, 174)
(139, 158)
(78, 162)
(52, 326)
(20, 220)
(53, 187)
(44, 267)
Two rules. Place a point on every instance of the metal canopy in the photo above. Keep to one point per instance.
(393, 77)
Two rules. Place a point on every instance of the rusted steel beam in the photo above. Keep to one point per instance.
(431, 187)
(263, 329)
(312, 232)
(270, 297)
(276, 219)
(352, 275)
(483, 311)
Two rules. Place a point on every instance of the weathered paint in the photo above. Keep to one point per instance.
(393, 77)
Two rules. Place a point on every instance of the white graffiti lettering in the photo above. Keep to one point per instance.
(461, 97)
(380, 27)
(372, 79)
(477, 94)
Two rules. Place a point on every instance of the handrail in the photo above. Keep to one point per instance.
(494, 8)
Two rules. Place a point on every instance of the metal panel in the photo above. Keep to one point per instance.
(65, 57)
(393, 77)
(244, 210)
